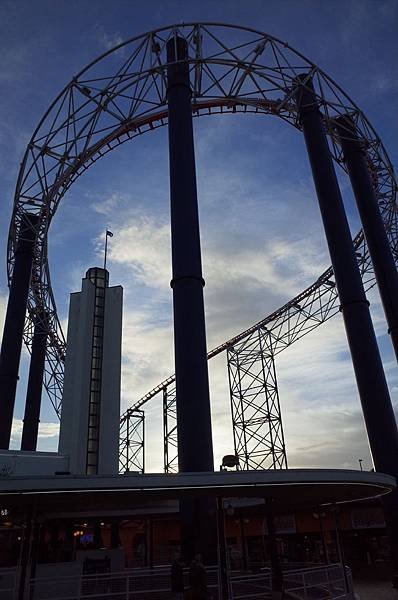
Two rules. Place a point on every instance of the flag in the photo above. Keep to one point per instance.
(109, 233)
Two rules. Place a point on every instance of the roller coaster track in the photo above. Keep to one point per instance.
(122, 95)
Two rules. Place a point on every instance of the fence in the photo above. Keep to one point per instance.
(250, 586)
(7, 583)
(133, 584)
(324, 582)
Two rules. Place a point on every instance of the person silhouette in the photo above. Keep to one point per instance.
(197, 579)
(177, 577)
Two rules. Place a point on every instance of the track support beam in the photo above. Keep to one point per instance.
(14, 325)
(372, 386)
(35, 382)
(375, 233)
(386, 274)
(195, 447)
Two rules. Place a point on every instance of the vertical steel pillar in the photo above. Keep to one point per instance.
(340, 548)
(37, 540)
(150, 543)
(14, 325)
(195, 447)
(33, 395)
(276, 570)
(322, 534)
(372, 386)
(97, 537)
(243, 543)
(115, 540)
(22, 578)
(376, 237)
(222, 551)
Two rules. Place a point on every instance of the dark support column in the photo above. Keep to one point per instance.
(150, 543)
(97, 538)
(146, 557)
(222, 550)
(375, 398)
(243, 542)
(372, 386)
(54, 539)
(373, 226)
(37, 530)
(22, 585)
(198, 529)
(195, 447)
(340, 549)
(115, 541)
(33, 395)
(276, 571)
(322, 533)
(14, 324)
(69, 542)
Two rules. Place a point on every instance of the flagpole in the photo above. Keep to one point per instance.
(108, 233)
(106, 249)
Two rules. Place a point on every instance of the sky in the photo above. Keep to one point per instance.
(262, 238)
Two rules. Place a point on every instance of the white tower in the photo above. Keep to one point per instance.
(89, 431)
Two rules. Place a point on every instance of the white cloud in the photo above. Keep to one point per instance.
(47, 439)
(243, 285)
(147, 353)
(107, 206)
(107, 40)
(16, 63)
(3, 309)
(143, 245)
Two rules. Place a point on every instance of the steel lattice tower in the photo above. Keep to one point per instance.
(255, 408)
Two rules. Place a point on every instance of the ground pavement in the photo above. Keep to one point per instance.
(375, 590)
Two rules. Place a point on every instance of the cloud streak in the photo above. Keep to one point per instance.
(316, 380)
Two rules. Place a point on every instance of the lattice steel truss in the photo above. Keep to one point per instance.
(255, 408)
(121, 95)
(170, 439)
(285, 326)
(132, 443)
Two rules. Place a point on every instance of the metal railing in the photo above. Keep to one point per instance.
(7, 583)
(134, 584)
(251, 586)
(324, 582)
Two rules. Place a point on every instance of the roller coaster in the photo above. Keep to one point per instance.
(122, 95)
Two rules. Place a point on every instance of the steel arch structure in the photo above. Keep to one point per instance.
(121, 95)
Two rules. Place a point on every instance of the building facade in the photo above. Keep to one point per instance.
(89, 432)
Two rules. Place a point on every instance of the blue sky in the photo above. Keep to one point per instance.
(261, 232)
